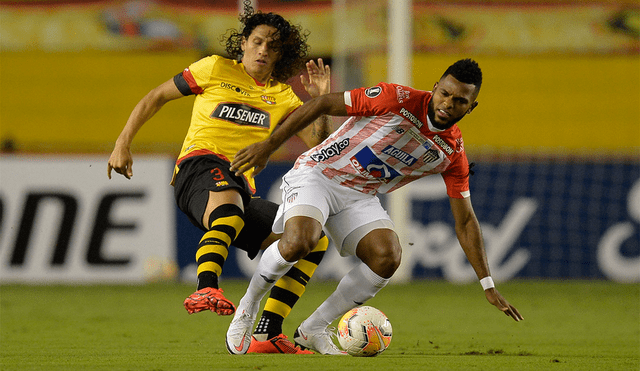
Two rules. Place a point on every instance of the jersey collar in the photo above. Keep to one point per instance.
(433, 128)
(258, 83)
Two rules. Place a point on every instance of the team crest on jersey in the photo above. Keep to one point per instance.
(369, 165)
(432, 154)
(242, 114)
(373, 91)
(268, 99)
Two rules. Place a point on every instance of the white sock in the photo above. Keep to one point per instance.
(271, 267)
(358, 286)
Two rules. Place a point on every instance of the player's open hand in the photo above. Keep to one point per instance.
(254, 156)
(319, 81)
(121, 161)
(494, 297)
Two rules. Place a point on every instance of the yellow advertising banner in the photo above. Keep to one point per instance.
(559, 77)
(500, 27)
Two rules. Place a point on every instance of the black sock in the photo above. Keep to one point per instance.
(270, 325)
(207, 279)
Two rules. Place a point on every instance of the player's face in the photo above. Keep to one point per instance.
(259, 56)
(451, 100)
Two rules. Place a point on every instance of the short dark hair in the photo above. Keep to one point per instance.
(466, 71)
(289, 40)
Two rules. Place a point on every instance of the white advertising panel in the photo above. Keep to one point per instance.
(63, 221)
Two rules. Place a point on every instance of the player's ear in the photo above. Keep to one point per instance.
(435, 85)
(243, 43)
(473, 105)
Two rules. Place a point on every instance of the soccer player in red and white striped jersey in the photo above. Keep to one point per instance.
(395, 134)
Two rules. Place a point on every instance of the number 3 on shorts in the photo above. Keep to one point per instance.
(217, 174)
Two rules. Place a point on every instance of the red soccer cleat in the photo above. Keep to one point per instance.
(211, 299)
(277, 344)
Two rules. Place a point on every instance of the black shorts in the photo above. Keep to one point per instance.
(199, 175)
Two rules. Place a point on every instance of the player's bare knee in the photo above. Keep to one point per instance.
(381, 251)
(394, 256)
(295, 247)
(389, 261)
(383, 259)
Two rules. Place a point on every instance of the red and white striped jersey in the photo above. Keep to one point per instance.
(388, 142)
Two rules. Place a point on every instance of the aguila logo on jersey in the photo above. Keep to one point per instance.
(333, 150)
(242, 114)
(399, 154)
(373, 91)
(232, 87)
(268, 99)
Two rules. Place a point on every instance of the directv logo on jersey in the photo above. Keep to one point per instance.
(333, 150)
(373, 92)
(242, 114)
(399, 154)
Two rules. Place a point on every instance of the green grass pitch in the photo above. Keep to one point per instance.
(569, 325)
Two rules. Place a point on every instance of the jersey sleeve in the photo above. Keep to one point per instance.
(197, 77)
(374, 101)
(456, 177)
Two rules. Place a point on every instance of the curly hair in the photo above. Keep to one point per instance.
(466, 71)
(289, 40)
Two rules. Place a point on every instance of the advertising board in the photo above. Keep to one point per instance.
(63, 220)
(540, 219)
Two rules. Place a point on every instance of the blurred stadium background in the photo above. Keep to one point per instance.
(555, 139)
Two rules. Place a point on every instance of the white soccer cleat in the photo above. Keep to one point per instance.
(239, 333)
(320, 342)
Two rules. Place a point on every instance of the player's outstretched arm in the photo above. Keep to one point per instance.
(257, 155)
(121, 160)
(470, 238)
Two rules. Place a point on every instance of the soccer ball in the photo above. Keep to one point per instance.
(364, 332)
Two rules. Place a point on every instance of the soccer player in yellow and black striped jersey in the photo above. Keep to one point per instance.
(238, 101)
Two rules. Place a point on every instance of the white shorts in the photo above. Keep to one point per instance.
(348, 215)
